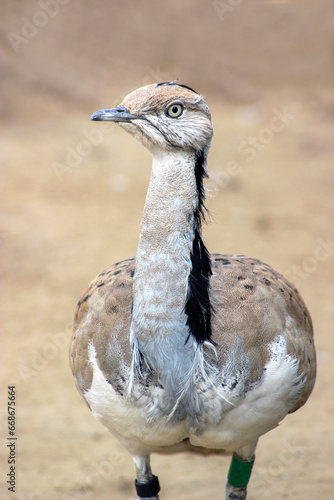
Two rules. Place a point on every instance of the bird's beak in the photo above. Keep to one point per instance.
(119, 114)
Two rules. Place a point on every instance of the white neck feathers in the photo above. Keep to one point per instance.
(163, 260)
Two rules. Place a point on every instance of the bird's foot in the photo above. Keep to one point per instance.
(150, 498)
(146, 498)
(235, 493)
(149, 490)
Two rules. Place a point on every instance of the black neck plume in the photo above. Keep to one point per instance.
(198, 308)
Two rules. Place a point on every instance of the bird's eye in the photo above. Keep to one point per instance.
(174, 110)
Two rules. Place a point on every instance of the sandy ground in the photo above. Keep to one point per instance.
(72, 199)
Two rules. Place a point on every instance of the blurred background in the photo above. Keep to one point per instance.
(73, 193)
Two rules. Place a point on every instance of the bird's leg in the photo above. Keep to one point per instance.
(239, 472)
(147, 485)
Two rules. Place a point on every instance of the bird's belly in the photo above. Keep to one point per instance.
(127, 420)
(221, 427)
(260, 410)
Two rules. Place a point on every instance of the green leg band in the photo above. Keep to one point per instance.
(239, 471)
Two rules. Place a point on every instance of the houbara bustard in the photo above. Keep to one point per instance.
(179, 349)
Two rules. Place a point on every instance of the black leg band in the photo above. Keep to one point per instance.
(147, 490)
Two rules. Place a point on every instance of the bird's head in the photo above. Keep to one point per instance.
(164, 116)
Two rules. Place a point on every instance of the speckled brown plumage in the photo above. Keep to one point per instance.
(104, 314)
(251, 302)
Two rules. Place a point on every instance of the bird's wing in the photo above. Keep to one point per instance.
(253, 307)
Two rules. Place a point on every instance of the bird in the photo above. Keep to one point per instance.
(178, 349)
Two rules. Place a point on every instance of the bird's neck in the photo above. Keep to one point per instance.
(170, 292)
